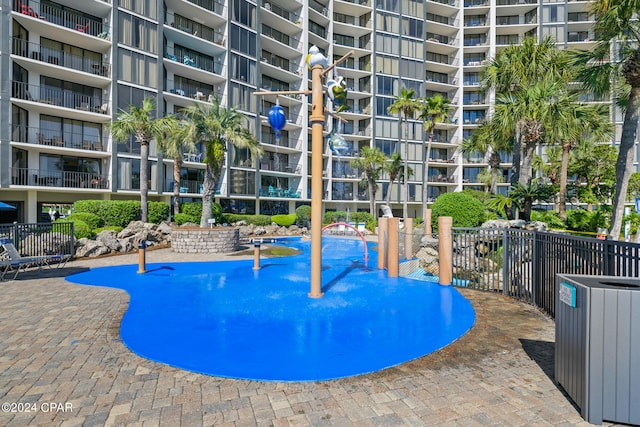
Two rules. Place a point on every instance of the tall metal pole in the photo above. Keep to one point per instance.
(317, 144)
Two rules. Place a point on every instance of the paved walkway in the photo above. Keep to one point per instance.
(62, 363)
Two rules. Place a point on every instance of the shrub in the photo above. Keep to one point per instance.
(81, 229)
(581, 220)
(550, 218)
(466, 210)
(93, 221)
(249, 219)
(189, 212)
(303, 216)
(112, 212)
(334, 216)
(158, 212)
(182, 218)
(284, 220)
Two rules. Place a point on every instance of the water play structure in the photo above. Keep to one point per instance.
(347, 225)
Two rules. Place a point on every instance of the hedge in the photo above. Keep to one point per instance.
(466, 210)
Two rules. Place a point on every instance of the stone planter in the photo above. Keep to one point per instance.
(205, 240)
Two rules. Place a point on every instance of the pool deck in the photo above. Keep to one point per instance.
(59, 343)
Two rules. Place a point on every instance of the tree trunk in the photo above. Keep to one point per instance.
(425, 187)
(372, 197)
(405, 199)
(177, 164)
(494, 164)
(144, 180)
(624, 164)
(515, 162)
(526, 171)
(208, 190)
(564, 168)
(391, 181)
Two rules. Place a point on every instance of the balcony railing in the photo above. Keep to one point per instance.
(57, 178)
(61, 58)
(198, 30)
(197, 92)
(214, 6)
(40, 136)
(75, 21)
(186, 186)
(318, 7)
(59, 97)
(204, 63)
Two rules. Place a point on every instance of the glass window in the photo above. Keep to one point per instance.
(244, 13)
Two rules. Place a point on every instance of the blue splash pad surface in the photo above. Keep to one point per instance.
(224, 319)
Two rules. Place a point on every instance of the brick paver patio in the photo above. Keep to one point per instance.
(60, 353)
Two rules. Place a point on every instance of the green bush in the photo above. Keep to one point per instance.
(81, 229)
(93, 221)
(249, 219)
(334, 216)
(635, 221)
(112, 212)
(111, 227)
(158, 212)
(189, 212)
(549, 217)
(303, 216)
(284, 220)
(581, 220)
(466, 210)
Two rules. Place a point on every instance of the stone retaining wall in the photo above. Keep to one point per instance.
(205, 240)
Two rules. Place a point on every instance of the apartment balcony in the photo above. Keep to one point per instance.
(49, 100)
(443, 7)
(442, 179)
(58, 179)
(440, 63)
(351, 25)
(281, 68)
(476, 3)
(64, 26)
(46, 138)
(187, 186)
(60, 64)
(276, 16)
(352, 7)
(286, 45)
(210, 12)
(319, 12)
(183, 94)
(281, 166)
(195, 67)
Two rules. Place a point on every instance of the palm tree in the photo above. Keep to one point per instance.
(530, 112)
(517, 68)
(393, 167)
(616, 22)
(573, 122)
(406, 106)
(175, 145)
(434, 110)
(370, 164)
(142, 124)
(490, 138)
(524, 195)
(216, 127)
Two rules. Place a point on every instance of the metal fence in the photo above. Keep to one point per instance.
(40, 239)
(523, 264)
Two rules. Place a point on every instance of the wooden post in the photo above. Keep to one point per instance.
(142, 257)
(256, 255)
(383, 241)
(408, 238)
(393, 261)
(317, 146)
(445, 250)
(428, 230)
